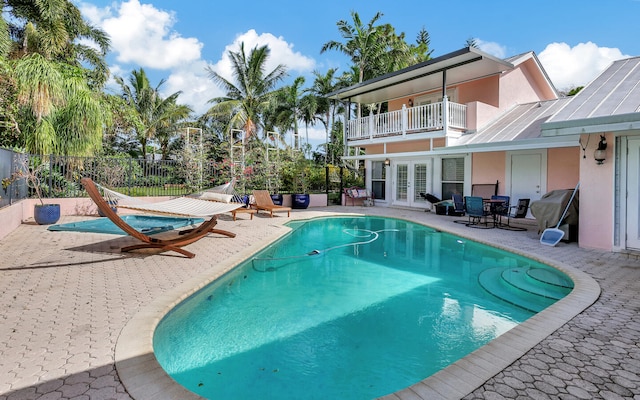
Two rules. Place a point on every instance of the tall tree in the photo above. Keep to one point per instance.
(362, 43)
(326, 108)
(51, 80)
(168, 131)
(152, 112)
(248, 97)
(421, 50)
(56, 30)
(288, 108)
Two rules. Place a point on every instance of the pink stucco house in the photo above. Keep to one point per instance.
(469, 118)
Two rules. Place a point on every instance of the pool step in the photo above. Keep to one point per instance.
(550, 277)
(516, 286)
(520, 278)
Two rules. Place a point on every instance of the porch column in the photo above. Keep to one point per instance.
(445, 115)
(405, 120)
(371, 125)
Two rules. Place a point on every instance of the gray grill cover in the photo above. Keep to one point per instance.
(550, 207)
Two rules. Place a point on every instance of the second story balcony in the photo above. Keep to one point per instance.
(434, 117)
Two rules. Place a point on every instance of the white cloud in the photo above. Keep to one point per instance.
(570, 67)
(281, 53)
(493, 48)
(142, 34)
(197, 89)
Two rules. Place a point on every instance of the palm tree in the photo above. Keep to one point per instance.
(152, 112)
(362, 43)
(54, 102)
(168, 130)
(56, 30)
(288, 108)
(374, 49)
(327, 108)
(248, 98)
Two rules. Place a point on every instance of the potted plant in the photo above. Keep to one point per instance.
(31, 171)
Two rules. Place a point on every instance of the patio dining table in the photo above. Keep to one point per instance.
(493, 207)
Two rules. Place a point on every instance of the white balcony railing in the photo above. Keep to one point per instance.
(425, 118)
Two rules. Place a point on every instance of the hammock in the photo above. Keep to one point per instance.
(184, 206)
(225, 193)
(180, 206)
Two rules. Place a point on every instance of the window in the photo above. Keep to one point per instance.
(378, 179)
(452, 177)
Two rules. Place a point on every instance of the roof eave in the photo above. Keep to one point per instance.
(609, 123)
(434, 66)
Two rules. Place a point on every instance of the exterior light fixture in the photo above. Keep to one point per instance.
(600, 154)
(410, 103)
(387, 162)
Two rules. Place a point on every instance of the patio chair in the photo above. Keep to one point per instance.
(516, 211)
(263, 202)
(520, 209)
(484, 190)
(474, 207)
(458, 205)
(184, 206)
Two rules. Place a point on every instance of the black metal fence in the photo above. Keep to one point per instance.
(59, 176)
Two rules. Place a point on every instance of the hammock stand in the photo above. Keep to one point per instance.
(182, 206)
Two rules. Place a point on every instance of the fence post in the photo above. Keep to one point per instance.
(326, 182)
(129, 177)
(341, 184)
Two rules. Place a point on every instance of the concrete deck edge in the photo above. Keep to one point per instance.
(144, 378)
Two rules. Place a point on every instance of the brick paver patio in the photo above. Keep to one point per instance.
(65, 298)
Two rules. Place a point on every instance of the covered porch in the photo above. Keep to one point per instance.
(434, 117)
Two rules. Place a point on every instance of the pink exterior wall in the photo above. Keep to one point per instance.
(480, 114)
(520, 86)
(403, 147)
(596, 198)
(563, 168)
(488, 168)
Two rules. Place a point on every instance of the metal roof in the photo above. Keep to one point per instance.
(616, 91)
(461, 66)
(520, 123)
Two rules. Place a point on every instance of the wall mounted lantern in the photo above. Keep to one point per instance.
(387, 162)
(600, 154)
(410, 103)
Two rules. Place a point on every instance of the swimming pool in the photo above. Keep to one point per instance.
(355, 303)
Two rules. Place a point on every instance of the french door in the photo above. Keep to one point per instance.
(410, 179)
(633, 195)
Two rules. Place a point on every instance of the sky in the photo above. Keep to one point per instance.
(176, 40)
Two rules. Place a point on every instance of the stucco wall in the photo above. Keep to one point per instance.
(596, 197)
(563, 168)
(488, 168)
(518, 87)
(403, 147)
(482, 90)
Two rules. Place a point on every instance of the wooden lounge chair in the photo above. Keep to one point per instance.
(179, 206)
(263, 202)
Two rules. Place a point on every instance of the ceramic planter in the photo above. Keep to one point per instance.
(46, 214)
(300, 201)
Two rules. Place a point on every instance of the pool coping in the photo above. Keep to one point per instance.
(144, 378)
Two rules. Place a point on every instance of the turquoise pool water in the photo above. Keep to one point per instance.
(349, 308)
(147, 224)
